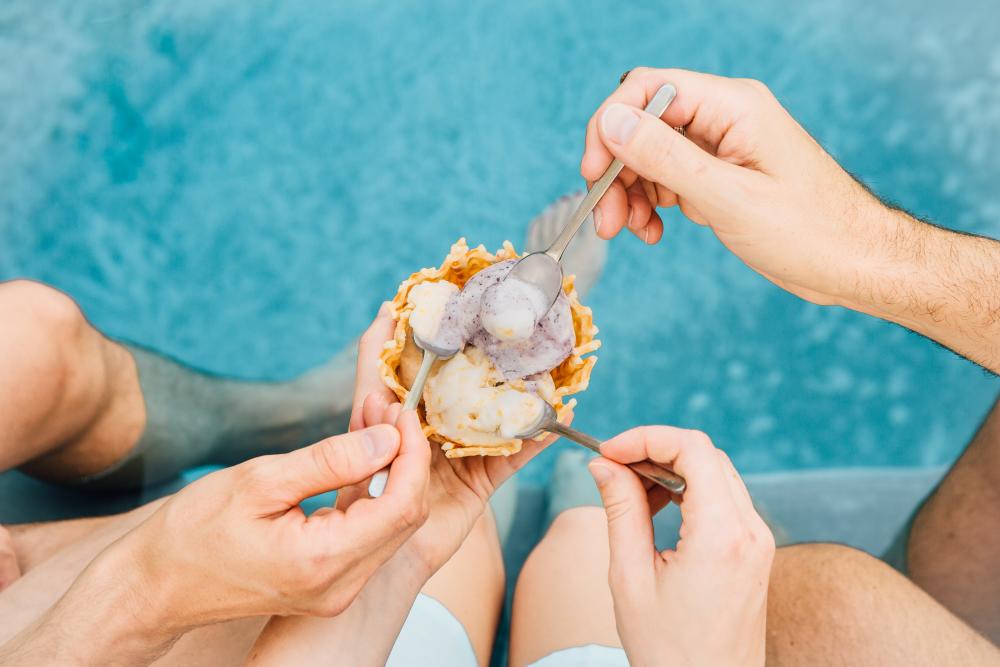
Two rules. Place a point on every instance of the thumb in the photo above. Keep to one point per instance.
(630, 526)
(657, 152)
(334, 462)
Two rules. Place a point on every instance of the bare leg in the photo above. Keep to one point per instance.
(954, 547)
(827, 605)
(471, 585)
(70, 397)
(35, 543)
(562, 597)
(833, 605)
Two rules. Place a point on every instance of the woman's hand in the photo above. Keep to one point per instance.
(746, 169)
(705, 602)
(457, 495)
(459, 488)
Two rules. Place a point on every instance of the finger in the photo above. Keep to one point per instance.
(691, 454)
(659, 497)
(630, 525)
(737, 489)
(654, 230)
(284, 480)
(348, 494)
(611, 211)
(658, 153)
(367, 378)
(664, 195)
(705, 104)
(374, 409)
(402, 508)
(639, 209)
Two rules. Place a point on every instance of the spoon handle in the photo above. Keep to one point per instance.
(377, 485)
(654, 472)
(417, 388)
(661, 100)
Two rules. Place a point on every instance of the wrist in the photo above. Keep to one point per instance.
(879, 270)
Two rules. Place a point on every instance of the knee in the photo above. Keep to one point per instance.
(577, 530)
(42, 312)
(579, 523)
(49, 331)
(826, 585)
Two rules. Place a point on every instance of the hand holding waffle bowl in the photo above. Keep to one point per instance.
(502, 346)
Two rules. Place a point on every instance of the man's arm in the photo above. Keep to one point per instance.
(106, 618)
(776, 199)
(937, 282)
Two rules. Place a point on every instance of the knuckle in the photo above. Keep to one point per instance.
(732, 540)
(764, 539)
(653, 147)
(756, 85)
(637, 72)
(700, 440)
(332, 457)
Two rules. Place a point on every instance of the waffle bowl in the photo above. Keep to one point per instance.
(400, 358)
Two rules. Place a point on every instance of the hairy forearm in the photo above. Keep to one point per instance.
(105, 618)
(939, 283)
(363, 634)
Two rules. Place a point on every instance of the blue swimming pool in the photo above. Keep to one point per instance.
(240, 184)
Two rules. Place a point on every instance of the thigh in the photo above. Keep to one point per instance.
(963, 570)
(833, 605)
(471, 585)
(562, 598)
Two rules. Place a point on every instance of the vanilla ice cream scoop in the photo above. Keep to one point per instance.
(512, 308)
(468, 401)
(429, 301)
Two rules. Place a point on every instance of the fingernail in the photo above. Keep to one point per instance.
(378, 441)
(385, 309)
(645, 235)
(628, 222)
(600, 473)
(598, 218)
(618, 122)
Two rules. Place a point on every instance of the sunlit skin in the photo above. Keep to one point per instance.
(773, 196)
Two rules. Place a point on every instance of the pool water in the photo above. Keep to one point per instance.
(240, 184)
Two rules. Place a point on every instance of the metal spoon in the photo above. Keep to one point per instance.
(654, 472)
(431, 354)
(542, 269)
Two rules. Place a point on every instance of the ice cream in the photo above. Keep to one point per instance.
(477, 402)
(469, 401)
(429, 301)
(510, 338)
(484, 300)
(511, 309)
